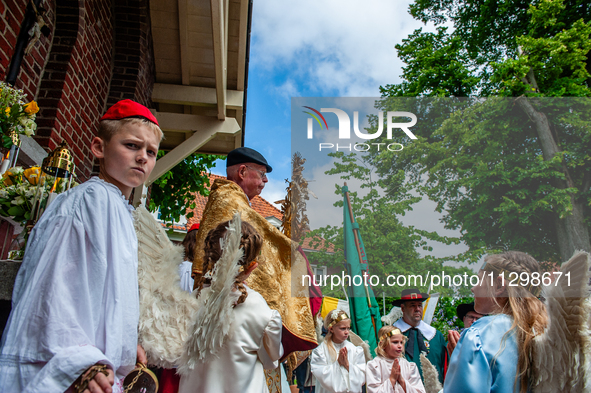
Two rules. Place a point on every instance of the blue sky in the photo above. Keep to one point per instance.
(322, 48)
(314, 48)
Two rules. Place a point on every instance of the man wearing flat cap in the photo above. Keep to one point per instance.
(246, 177)
(422, 337)
(248, 169)
(468, 315)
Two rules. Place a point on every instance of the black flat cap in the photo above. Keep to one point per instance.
(464, 309)
(244, 155)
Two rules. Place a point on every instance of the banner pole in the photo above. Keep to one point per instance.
(355, 235)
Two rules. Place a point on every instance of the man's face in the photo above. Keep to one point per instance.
(253, 179)
(412, 312)
(470, 318)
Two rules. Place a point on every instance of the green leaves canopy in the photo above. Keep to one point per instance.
(485, 162)
(391, 247)
(174, 192)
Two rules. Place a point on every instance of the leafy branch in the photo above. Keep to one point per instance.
(174, 192)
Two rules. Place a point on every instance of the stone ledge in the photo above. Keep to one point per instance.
(31, 153)
(8, 271)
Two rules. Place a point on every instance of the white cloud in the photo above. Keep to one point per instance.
(321, 211)
(274, 191)
(287, 90)
(344, 45)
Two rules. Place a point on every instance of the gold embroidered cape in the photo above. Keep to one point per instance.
(272, 279)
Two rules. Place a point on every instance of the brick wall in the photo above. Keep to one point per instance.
(98, 52)
(147, 69)
(75, 84)
(12, 13)
(133, 65)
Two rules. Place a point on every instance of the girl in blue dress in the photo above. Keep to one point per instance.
(495, 353)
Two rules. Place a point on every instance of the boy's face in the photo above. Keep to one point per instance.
(128, 158)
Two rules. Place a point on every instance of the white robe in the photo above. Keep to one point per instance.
(254, 344)
(331, 377)
(75, 301)
(185, 270)
(378, 376)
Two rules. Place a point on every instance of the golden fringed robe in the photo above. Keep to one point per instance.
(272, 279)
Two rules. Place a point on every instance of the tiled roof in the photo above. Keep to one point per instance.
(317, 243)
(260, 205)
(183, 227)
(265, 208)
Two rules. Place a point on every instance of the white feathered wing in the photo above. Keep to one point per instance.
(560, 355)
(166, 311)
(215, 310)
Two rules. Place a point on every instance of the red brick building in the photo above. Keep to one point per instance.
(186, 61)
(96, 54)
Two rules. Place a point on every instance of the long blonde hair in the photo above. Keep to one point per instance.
(383, 344)
(529, 313)
(328, 320)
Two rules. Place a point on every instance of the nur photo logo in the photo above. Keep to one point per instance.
(344, 132)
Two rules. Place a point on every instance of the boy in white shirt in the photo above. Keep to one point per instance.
(75, 300)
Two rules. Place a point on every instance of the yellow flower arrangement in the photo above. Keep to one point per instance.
(32, 175)
(15, 116)
(19, 192)
(31, 108)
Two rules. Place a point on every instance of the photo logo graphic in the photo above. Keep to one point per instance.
(345, 128)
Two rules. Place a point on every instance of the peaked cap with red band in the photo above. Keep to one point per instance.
(127, 108)
(409, 295)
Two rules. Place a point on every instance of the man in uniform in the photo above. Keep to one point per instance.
(246, 177)
(421, 336)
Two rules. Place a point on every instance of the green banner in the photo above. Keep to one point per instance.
(365, 313)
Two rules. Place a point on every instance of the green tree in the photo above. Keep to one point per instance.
(446, 317)
(174, 192)
(391, 246)
(512, 173)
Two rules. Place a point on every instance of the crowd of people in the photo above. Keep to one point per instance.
(75, 316)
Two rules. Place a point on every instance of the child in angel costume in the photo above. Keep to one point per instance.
(186, 267)
(75, 301)
(390, 372)
(337, 364)
(235, 333)
(524, 345)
